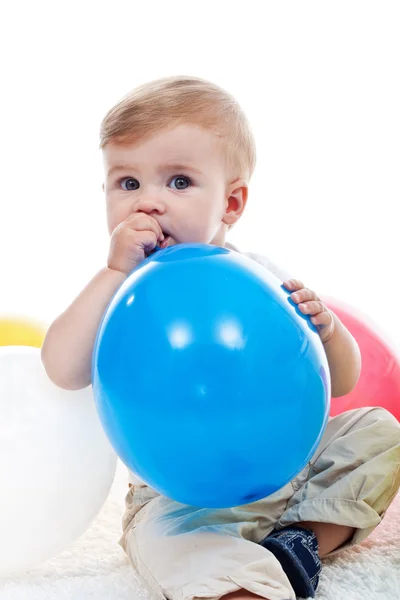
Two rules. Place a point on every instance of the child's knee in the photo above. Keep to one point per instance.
(383, 424)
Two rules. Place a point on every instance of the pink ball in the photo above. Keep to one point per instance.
(379, 383)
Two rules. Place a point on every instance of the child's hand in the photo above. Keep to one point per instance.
(132, 241)
(309, 304)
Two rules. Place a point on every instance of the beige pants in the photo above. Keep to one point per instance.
(184, 552)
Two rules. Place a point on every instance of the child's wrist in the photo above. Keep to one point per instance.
(118, 274)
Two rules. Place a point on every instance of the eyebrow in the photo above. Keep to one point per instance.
(118, 168)
(168, 166)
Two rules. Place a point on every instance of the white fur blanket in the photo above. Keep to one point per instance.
(95, 567)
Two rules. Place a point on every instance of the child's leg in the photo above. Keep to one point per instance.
(342, 495)
(241, 595)
(352, 478)
(329, 536)
(185, 552)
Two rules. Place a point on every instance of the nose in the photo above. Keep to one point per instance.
(149, 204)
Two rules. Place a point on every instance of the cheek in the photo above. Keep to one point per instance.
(116, 213)
(215, 207)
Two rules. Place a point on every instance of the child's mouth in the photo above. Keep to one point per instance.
(166, 241)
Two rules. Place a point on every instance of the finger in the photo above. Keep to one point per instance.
(293, 285)
(148, 241)
(322, 318)
(304, 295)
(143, 222)
(314, 307)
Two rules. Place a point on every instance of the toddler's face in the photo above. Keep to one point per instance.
(178, 176)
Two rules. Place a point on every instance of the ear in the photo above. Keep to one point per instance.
(236, 199)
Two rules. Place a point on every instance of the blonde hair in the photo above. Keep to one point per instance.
(171, 101)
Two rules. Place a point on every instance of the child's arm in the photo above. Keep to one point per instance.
(344, 359)
(341, 348)
(68, 346)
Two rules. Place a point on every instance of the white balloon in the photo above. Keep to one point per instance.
(56, 464)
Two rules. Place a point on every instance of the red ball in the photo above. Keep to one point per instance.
(379, 383)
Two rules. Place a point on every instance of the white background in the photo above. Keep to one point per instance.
(320, 84)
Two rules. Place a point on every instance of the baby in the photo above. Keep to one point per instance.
(178, 157)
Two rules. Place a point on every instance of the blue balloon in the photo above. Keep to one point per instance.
(210, 384)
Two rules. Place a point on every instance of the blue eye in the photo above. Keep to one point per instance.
(181, 182)
(130, 184)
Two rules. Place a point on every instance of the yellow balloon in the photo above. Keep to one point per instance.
(21, 332)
